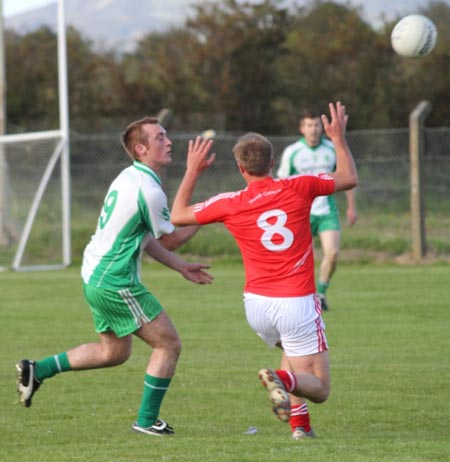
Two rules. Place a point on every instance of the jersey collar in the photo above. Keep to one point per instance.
(303, 141)
(146, 169)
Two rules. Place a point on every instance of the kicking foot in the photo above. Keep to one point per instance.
(27, 385)
(278, 395)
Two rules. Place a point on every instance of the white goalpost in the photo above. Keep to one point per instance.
(15, 232)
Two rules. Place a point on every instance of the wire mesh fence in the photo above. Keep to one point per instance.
(383, 194)
(382, 158)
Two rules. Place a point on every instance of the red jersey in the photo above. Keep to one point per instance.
(270, 223)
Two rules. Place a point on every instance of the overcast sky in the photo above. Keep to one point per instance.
(372, 8)
(12, 7)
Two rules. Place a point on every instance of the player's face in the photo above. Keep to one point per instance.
(158, 149)
(311, 130)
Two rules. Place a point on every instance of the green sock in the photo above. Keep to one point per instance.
(154, 390)
(322, 287)
(48, 367)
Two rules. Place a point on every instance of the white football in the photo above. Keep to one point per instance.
(414, 36)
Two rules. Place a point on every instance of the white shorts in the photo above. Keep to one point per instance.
(295, 322)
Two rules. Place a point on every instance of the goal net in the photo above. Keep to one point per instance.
(35, 183)
(33, 201)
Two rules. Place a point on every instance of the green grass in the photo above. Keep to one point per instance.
(388, 329)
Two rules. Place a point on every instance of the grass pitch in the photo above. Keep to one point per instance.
(388, 330)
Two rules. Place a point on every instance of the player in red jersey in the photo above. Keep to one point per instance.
(270, 222)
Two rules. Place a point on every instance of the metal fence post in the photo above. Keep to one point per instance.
(416, 152)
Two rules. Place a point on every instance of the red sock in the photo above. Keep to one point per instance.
(288, 379)
(300, 417)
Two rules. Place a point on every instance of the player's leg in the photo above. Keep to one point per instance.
(259, 314)
(109, 351)
(300, 420)
(108, 308)
(114, 315)
(305, 366)
(303, 377)
(330, 242)
(305, 349)
(114, 322)
(312, 374)
(162, 336)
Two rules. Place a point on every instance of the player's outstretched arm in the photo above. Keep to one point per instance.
(191, 271)
(178, 237)
(345, 176)
(198, 160)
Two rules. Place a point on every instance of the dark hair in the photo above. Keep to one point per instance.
(134, 134)
(309, 114)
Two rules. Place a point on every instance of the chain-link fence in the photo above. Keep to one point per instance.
(383, 194)
(382, 158)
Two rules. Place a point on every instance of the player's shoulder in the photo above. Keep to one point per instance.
(326, 142)
(299, 144)
(125, 177)
(136, 180)
(224, 199)
(302, 179)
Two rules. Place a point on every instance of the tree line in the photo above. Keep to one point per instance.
(248, 66)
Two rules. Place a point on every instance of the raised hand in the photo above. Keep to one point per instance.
(335, 129)
(198, 158)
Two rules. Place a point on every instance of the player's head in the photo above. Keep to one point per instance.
(310, 126)
(146, 140)
(254, 153)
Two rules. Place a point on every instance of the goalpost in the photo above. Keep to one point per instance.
(15, 231)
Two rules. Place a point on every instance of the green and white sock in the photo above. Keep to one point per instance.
(48, 367)
(154, 390)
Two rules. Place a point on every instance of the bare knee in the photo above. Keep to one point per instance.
(116, 356)
(161, 335)
(331, 255)
(113, 350)
(173, 347)
(322, 395)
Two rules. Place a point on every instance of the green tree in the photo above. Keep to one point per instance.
(331, 53)
(161, 73)
(31, 79)
(242, 65)
(220, 62)
(96, 81)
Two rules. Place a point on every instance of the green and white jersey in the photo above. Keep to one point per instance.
(135, 206)
(299, 158)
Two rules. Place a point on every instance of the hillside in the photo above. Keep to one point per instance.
(109, 23)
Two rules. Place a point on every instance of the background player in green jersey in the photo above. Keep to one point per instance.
(313, 154)
(134, 218)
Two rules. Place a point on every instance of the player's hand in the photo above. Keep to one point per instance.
(335, 129)
(199, 157)
(194, 272)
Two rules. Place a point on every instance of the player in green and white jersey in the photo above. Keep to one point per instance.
(313, 154)
(134, 218)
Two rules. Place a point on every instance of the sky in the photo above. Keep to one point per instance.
(13, 7)
(372, 8)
